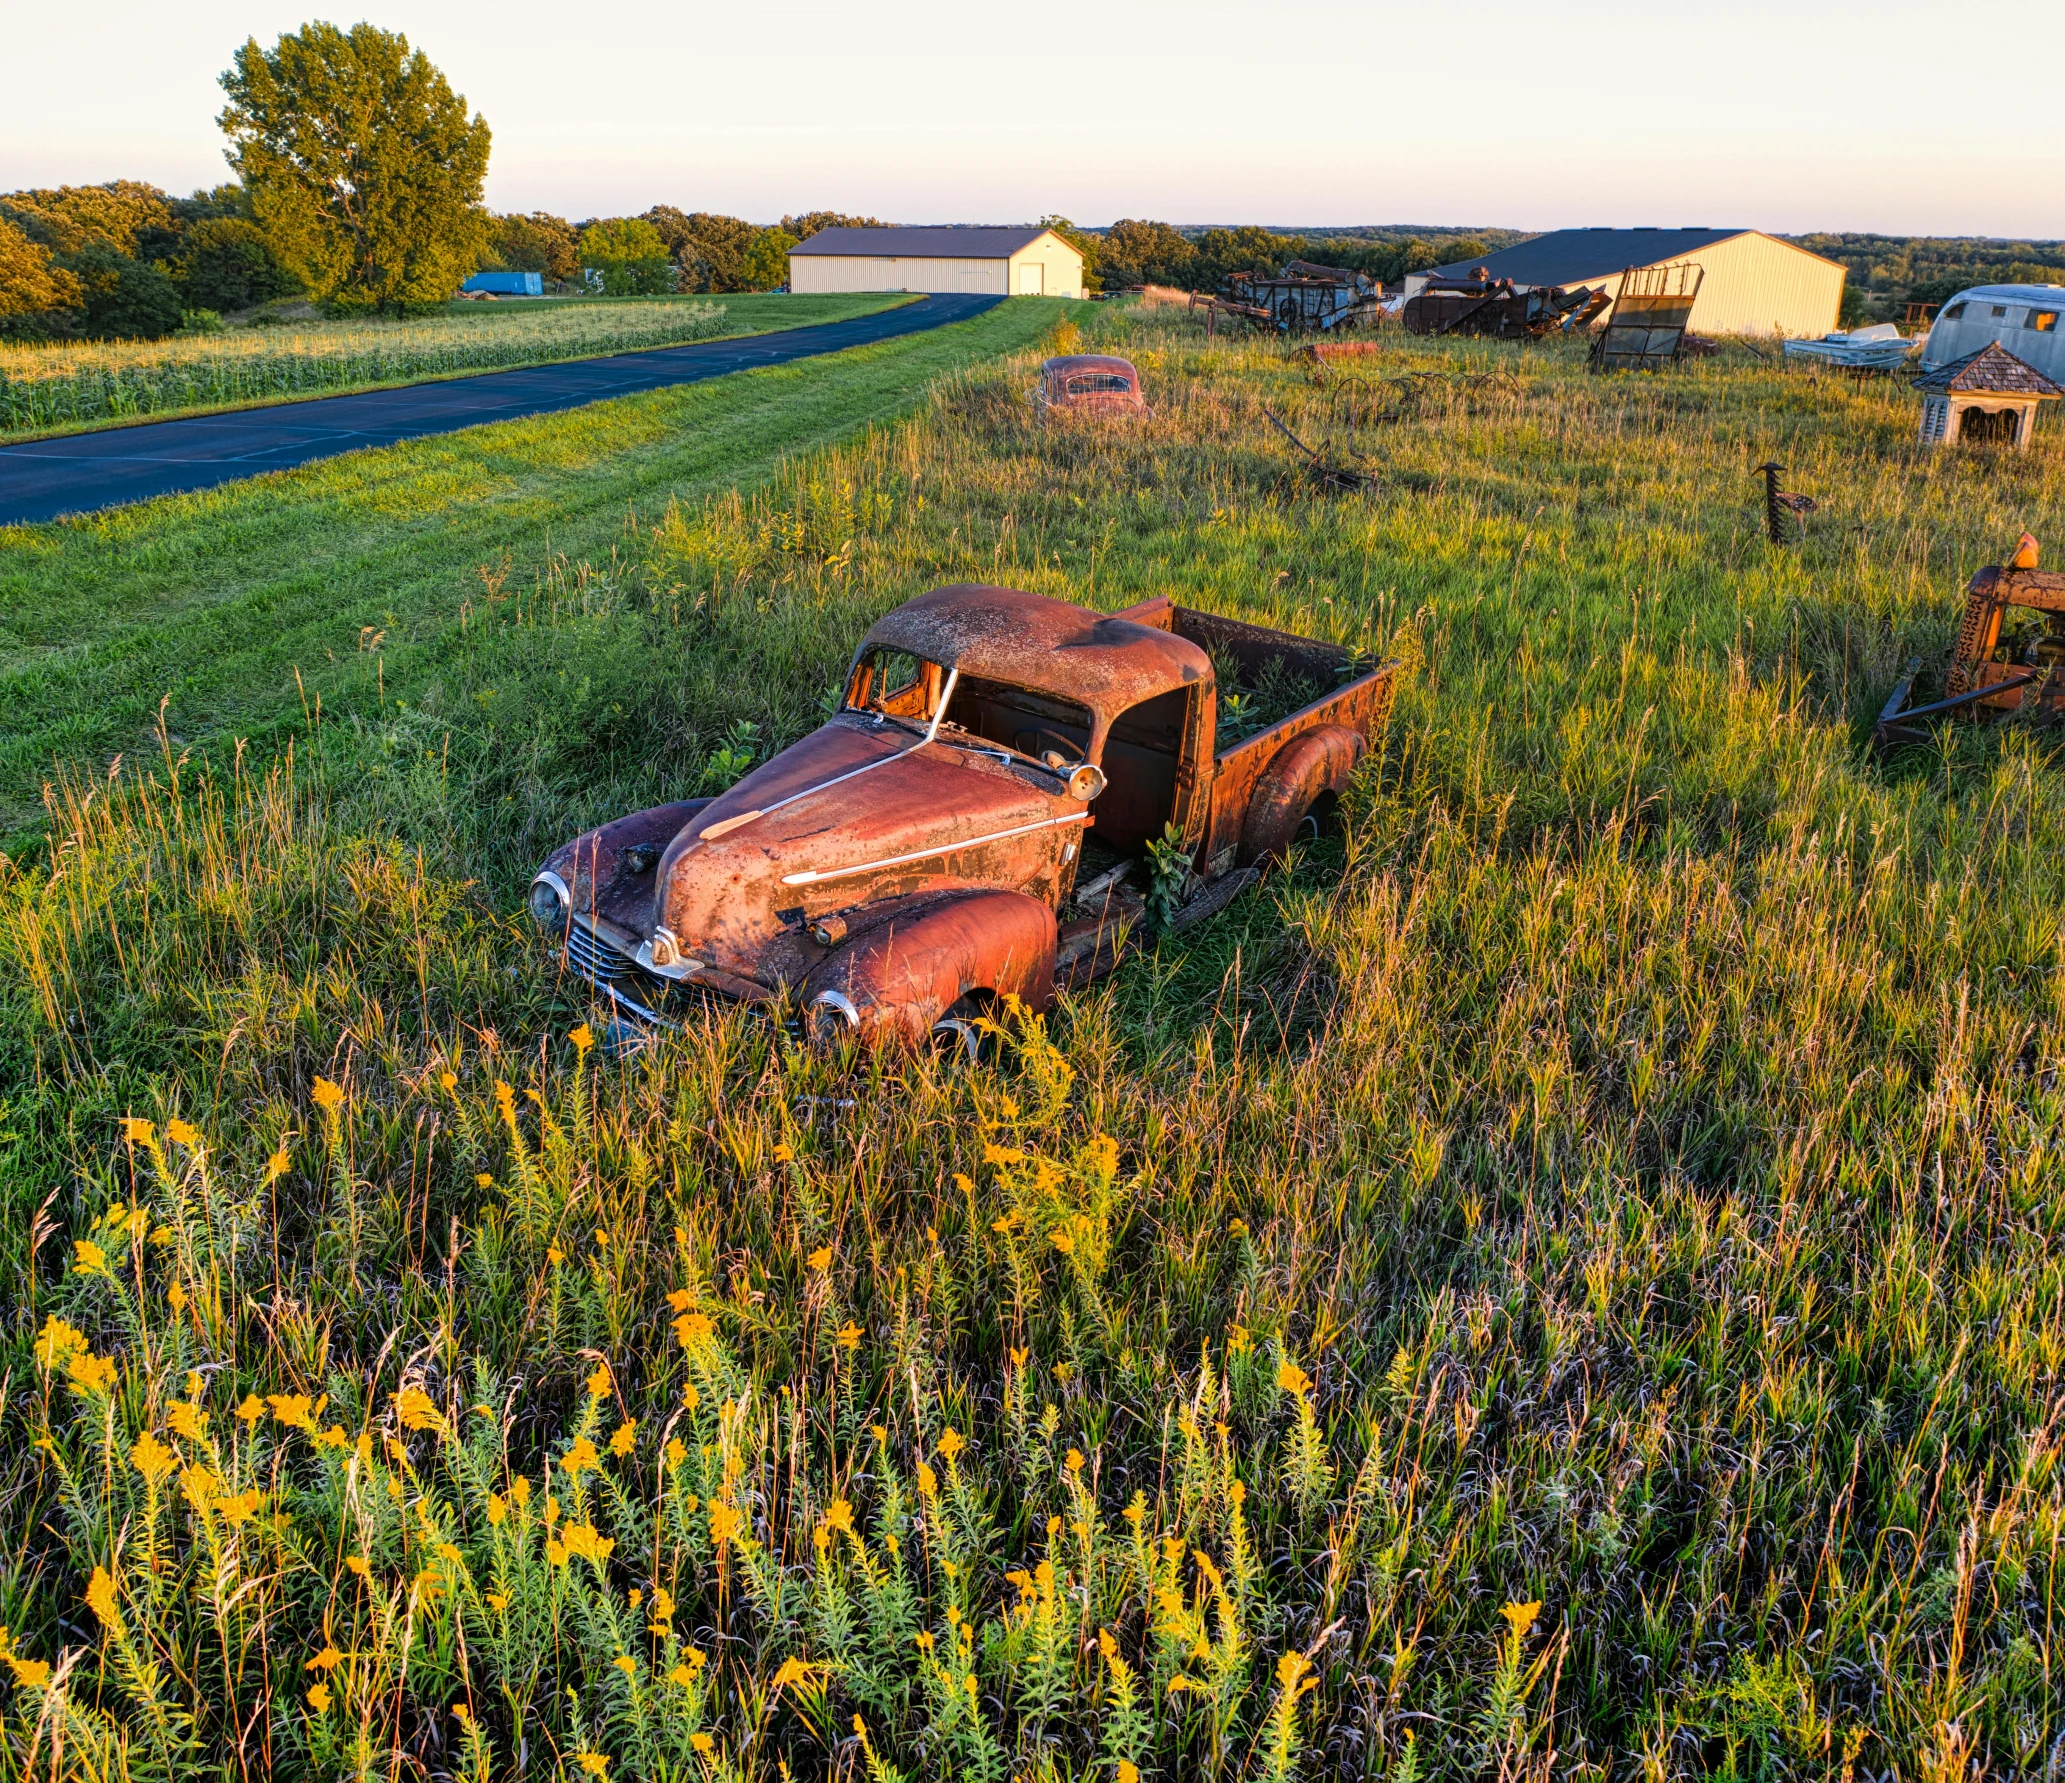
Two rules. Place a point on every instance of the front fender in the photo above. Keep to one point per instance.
(1321, 761)
(591, 867)
(896, 979)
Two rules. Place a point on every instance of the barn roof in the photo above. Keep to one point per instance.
(1565, 255)
(948, 243)
(1993, 371)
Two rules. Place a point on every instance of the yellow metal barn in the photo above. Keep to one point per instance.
(1751, 283)
(1023, 262)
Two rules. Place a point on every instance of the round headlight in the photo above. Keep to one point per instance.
(1086, 782)
(547, 906)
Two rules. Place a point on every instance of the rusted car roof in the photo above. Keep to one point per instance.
(1067, 363)
(1031, 640)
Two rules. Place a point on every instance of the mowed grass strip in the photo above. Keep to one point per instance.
(213, 601)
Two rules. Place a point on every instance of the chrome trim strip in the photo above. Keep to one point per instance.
(548, 877)
(727, 825)
(813, 877)
(840, 1001)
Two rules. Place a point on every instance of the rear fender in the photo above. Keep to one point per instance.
(1320, 761)
(898, 978)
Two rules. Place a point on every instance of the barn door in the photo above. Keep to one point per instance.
(1032, 280)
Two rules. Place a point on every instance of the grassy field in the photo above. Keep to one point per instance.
(74, 385)
(1562, 1282)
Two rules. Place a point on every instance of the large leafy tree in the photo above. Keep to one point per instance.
(34, 292)
(362, 165)
(630, 256)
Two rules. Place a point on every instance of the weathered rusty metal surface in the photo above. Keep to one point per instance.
(1106, 662)
(1089, 384)
(1497, 308)
(1305, 297)
(1785, 513)
(1652, 309)
(921, 849)
(1989, 676)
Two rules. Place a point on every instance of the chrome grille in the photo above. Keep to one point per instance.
(599, 961)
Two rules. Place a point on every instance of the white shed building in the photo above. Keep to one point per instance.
(1752, 283)
(1023, 262)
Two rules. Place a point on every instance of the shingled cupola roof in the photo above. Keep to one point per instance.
(1992, 371)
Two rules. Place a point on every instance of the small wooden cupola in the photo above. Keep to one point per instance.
(1986, 397)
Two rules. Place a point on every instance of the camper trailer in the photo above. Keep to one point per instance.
(2027, 320)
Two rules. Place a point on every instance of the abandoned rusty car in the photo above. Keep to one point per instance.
(1089, 384)
(975, 821)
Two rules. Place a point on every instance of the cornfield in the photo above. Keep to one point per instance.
(58, 386)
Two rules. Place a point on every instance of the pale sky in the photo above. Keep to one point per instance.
(1530, 114)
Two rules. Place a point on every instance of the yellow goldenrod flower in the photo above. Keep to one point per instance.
(91, 1373)
(182, 1134)
(725, 1523)
(100, 1598)
(138, 1132)
(625, 1439)
(1520, 1617)
(676, 1453)
(242, 1508)
(498, 1508)
(693, 1328)
(626, 1664)
(417, 1410)
(662, 1603)
(251, 1409)
(175, 1296)
(703, 1744)
(520, 1491)
(1018, 1357)
(581, 1456)
(30, 1674)
(849, 1336)
(1064, 1243)
(928, 1481)
(496, 1601)
(555, 1555)
(681, 1676)
(88, 1258)
(356, 1564)
(689, 1396)
(327, 1095)
(151, 1458)
(1293, 1379)
(821, 1258)
(599, 1382)
(447, 1081)
(839, 1515)
(1238, 1342)
(277, 1166)
(794, 1671)
(583, 1038)
(292, 1410)
(319, 1698)
(784, 1154)
(951, 1442)
(554, 1255)
(1128, 1771)
(327, 1661)
(1073, 1461)
(584, 1540)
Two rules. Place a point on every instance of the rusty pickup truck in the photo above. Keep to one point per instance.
(975, 821)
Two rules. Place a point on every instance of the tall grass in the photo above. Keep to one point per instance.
(52, 386)
(1566, 1283)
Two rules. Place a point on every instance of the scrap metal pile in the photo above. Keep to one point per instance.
(1303, 297)
(1994, 672)
(1482, 305)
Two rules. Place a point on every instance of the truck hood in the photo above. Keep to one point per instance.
(857, 812)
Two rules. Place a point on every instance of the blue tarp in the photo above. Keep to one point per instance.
(507, 284)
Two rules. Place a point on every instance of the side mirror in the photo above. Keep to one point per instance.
(1086, 782)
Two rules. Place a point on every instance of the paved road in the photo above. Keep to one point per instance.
(77, 473)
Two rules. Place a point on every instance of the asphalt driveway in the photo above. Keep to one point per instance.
(78, 473)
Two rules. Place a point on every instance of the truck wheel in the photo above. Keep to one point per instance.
(1298, 789)
(957, 1038)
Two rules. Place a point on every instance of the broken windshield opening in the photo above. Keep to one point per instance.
(896, 684)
